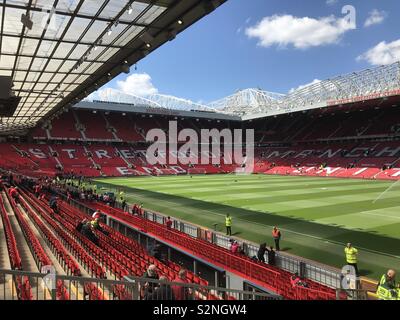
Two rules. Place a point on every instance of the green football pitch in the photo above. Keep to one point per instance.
(317, 216)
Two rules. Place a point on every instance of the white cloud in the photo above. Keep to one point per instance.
(103, 94)
(331, 2)
(138, 84)
(382, 54)
(93, 96)
(302, 33)
(305, 85)
(375, 17)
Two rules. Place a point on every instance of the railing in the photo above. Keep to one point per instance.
(304, 268)
(330, 278)
(131, 288)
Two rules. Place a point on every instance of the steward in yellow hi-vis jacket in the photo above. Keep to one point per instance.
(387, 287)
(351, 256)
(228, 225)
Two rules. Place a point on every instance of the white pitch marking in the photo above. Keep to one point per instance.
(384, 192)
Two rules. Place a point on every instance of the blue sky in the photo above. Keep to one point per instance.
(298, 42)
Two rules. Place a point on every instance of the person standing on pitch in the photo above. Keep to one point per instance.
(276, 234)
(351, 256)
(228, 224)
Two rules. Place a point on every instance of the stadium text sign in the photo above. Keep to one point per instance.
(183, 147)
(371, 96)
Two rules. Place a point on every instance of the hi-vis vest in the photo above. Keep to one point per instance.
(276, 234)
(228, 221)
(94, 224)
(351, 255)
(384, 291)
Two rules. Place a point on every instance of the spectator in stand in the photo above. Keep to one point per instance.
(271, 256)
(168, 223)
(37, 190)
(261, 252)
(296, 281)
(69, 196)
(181, 292)
(230, 244)
(124, 205)
(14, 194)
(134, 209)
(157, 251)
(86, 230)
(149, 287)
(95, 225)
(141, 210)
(163, 292)
(235, 247)
(82, 196)
(53, 204)
(97, 214)
(276, 234)
(80, 225)
(106, 198)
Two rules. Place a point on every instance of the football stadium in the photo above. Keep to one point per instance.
(109, 193)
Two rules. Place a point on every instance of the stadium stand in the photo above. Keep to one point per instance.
(276, 279)
(358, 142)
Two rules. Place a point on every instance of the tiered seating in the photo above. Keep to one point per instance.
(89, 288)
(95, 126)
(39, 133)
(40, 155)
(69, 242)
(15, 258)
(121, 247)
(119, 254)
(125, 127)
(364, 161)
(64, 258)
(37, 250)
(64, 128)
(41, 257)
(272, 277)
(74, 159)
(22, 283)
(107, 158)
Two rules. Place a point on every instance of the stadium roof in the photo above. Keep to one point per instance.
(59, 51)
(382, 81)
(369, 84)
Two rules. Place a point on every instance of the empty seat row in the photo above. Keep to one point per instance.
(58, 249)
(40, 256)
(15, 259)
